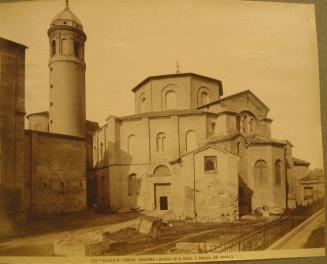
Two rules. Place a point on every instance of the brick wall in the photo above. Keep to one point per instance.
(55, 171)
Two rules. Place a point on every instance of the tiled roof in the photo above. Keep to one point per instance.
(217, 139)
(235, 95)
(314, 175)
(177, 75)
(299, 162)
(259, 139)
(165, 113)
(249, 140)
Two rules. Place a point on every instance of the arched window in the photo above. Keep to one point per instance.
(132, 145)
(77, 49)
(132, 185)
(53, 48)
(278, 172)
(260, 173)
(238, 148)
(142, 104)
(204, 98)
(161, 141)
(252, 125)
(171, 100)
(65, 47)
(190, 141)
(245, 124)
(213, 127)
(161, 171)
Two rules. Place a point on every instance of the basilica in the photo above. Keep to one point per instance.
(187, 149)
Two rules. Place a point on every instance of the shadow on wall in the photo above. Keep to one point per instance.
(98, 182)
(244, 197)
(9, 203)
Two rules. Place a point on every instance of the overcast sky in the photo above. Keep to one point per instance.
(269, 48)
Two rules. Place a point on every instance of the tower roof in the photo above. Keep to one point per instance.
(66, 16)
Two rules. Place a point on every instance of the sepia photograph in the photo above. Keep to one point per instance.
(166, 131)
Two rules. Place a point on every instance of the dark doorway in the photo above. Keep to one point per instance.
(163, 203)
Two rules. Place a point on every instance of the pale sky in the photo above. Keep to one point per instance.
(269, 48)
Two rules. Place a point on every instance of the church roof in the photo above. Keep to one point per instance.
(299, 162)
(7, 42)
(314, 175)
(257, 139)
(166, 113)
(202, 149)
(177, 75)
(254, 139)
(236, 95)
(68, 15)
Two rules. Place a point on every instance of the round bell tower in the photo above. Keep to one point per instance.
(67, 74)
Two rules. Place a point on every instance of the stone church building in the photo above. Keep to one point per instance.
(187, 149)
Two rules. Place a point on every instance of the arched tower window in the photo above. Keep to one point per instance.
(171, 100)
(278, 172)
(190, 141)
(132, 185)
(77, 49)
(161, 171)
(132, 145)
(260, 173)
(65, 50)
(142, 104)
(161, 141)
(53, 48)
(204, 98)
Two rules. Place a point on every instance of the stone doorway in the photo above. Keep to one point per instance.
(162, 196)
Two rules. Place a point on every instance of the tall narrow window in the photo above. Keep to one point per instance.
(238, 148)
(65, 47)
(132, 145)
(212, 128)
(132, 185)
(278, 172)
(143, 104)
(171, 100)
(190, 141)
(101, 151)
(53, 48)
(77, 49)
(245, 124)
(204, 98)
(161, 138)
(260, 173)
(252, 125)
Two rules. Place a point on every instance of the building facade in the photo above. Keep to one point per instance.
(12, 113)
(176, 116)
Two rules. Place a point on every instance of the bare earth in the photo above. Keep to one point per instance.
(36, 238)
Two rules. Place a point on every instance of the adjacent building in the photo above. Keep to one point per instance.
(12, 114)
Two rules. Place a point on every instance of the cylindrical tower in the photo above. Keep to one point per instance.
(67, 75)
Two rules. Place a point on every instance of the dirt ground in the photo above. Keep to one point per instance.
(180, 231)
(36, 238)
